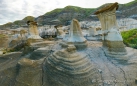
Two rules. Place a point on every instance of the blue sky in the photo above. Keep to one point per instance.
(11, 10)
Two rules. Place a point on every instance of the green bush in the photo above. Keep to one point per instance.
(130, 38)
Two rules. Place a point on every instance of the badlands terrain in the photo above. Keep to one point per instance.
(80, 54)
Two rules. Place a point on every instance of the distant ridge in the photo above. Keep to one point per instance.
(69, 12)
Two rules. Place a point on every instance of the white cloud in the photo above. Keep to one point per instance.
(11, 10)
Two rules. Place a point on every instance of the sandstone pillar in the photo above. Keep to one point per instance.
(112, 37)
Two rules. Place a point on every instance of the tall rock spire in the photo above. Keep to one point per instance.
(75, 36)
(112, 37)
(33, 31)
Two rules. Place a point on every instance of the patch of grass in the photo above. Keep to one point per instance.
(29, 18)
(130, 3)
(130, 38)
(54, 12)
(72, 9)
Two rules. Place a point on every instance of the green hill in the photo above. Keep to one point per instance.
(131, 3)
(70, 12)
(17, 23)
(67, 13)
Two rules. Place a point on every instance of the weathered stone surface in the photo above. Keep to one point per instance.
(39, 53)
(27, 50)
(14, 43)
(68, 67)
(8, 70)
(116, 47)
(31, 40)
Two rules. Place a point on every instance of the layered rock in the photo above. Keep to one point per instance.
(75, 36)
(23, 33)
(39, 53)
(15, 39)
(112, 38)
(29, 73)
(8, 70)
(68, 67)
(4, 43)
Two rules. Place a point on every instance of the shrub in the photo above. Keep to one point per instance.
(130, 38)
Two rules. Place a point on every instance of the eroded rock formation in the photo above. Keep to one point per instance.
(15, 38)
(60, 32)
(33, 31)
(112, 37)
(68, 67)
(75, 36)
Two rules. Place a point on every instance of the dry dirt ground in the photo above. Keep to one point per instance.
(19, 70)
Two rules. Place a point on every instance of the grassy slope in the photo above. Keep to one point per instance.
(17, 22)
(87, 11)
(130, 38)
(131, 3)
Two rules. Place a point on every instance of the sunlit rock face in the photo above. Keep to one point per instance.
(112, 37)
(33, 31)
(75, 36)
(68, 67)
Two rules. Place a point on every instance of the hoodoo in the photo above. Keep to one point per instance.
(33, 31)
(75, 36)
(112, 37)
